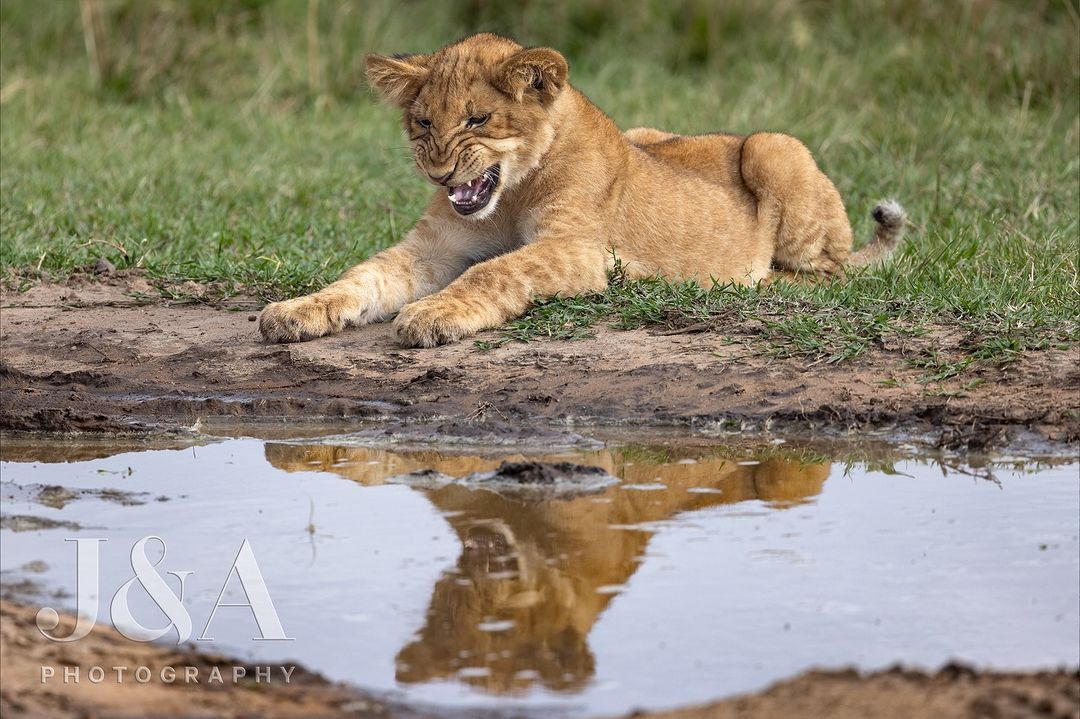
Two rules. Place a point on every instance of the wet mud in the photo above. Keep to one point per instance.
(101, 356)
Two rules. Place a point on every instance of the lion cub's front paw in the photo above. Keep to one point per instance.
(298, 320)
(430, 322)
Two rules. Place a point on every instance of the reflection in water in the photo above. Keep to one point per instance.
(81, 448)
(533, 577)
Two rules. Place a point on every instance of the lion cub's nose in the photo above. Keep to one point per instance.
(441, 179)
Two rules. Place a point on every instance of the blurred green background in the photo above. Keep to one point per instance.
(234, 140)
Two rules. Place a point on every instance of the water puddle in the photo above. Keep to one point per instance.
(674, 574)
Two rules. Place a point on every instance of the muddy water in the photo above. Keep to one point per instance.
(703, 572)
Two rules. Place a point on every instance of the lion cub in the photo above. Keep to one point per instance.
(539, 191)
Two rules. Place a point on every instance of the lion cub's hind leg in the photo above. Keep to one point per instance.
(798, 206)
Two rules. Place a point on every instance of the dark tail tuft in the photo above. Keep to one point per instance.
(890, 218)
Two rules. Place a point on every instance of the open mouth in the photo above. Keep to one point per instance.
(489, 551)
(474, 195)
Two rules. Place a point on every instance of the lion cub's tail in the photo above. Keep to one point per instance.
(889, 230)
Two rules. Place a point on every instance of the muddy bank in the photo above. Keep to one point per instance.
(954, 691)
(24, 651)
(109, 356)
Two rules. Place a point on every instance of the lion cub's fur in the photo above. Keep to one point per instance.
(574, 192)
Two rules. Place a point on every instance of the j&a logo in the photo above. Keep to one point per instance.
(88, 557)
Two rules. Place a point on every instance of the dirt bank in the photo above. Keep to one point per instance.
(109, 355)
(24, 693)
(954, 691)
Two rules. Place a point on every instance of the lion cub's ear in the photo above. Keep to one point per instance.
(537, 70)
(398, 78)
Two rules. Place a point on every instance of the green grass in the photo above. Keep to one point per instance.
(213, 150)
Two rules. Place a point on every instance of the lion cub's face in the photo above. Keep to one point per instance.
(477, 113)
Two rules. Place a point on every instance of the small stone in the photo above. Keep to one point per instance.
(252, 318)
(104, 267)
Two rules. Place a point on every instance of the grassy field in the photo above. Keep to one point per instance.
(235, 143)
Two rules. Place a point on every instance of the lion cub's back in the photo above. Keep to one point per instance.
(714, 156)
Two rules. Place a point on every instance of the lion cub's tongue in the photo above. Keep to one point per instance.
(466, 193)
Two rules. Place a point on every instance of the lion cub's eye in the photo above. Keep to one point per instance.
(423, 122)
(476, 121)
